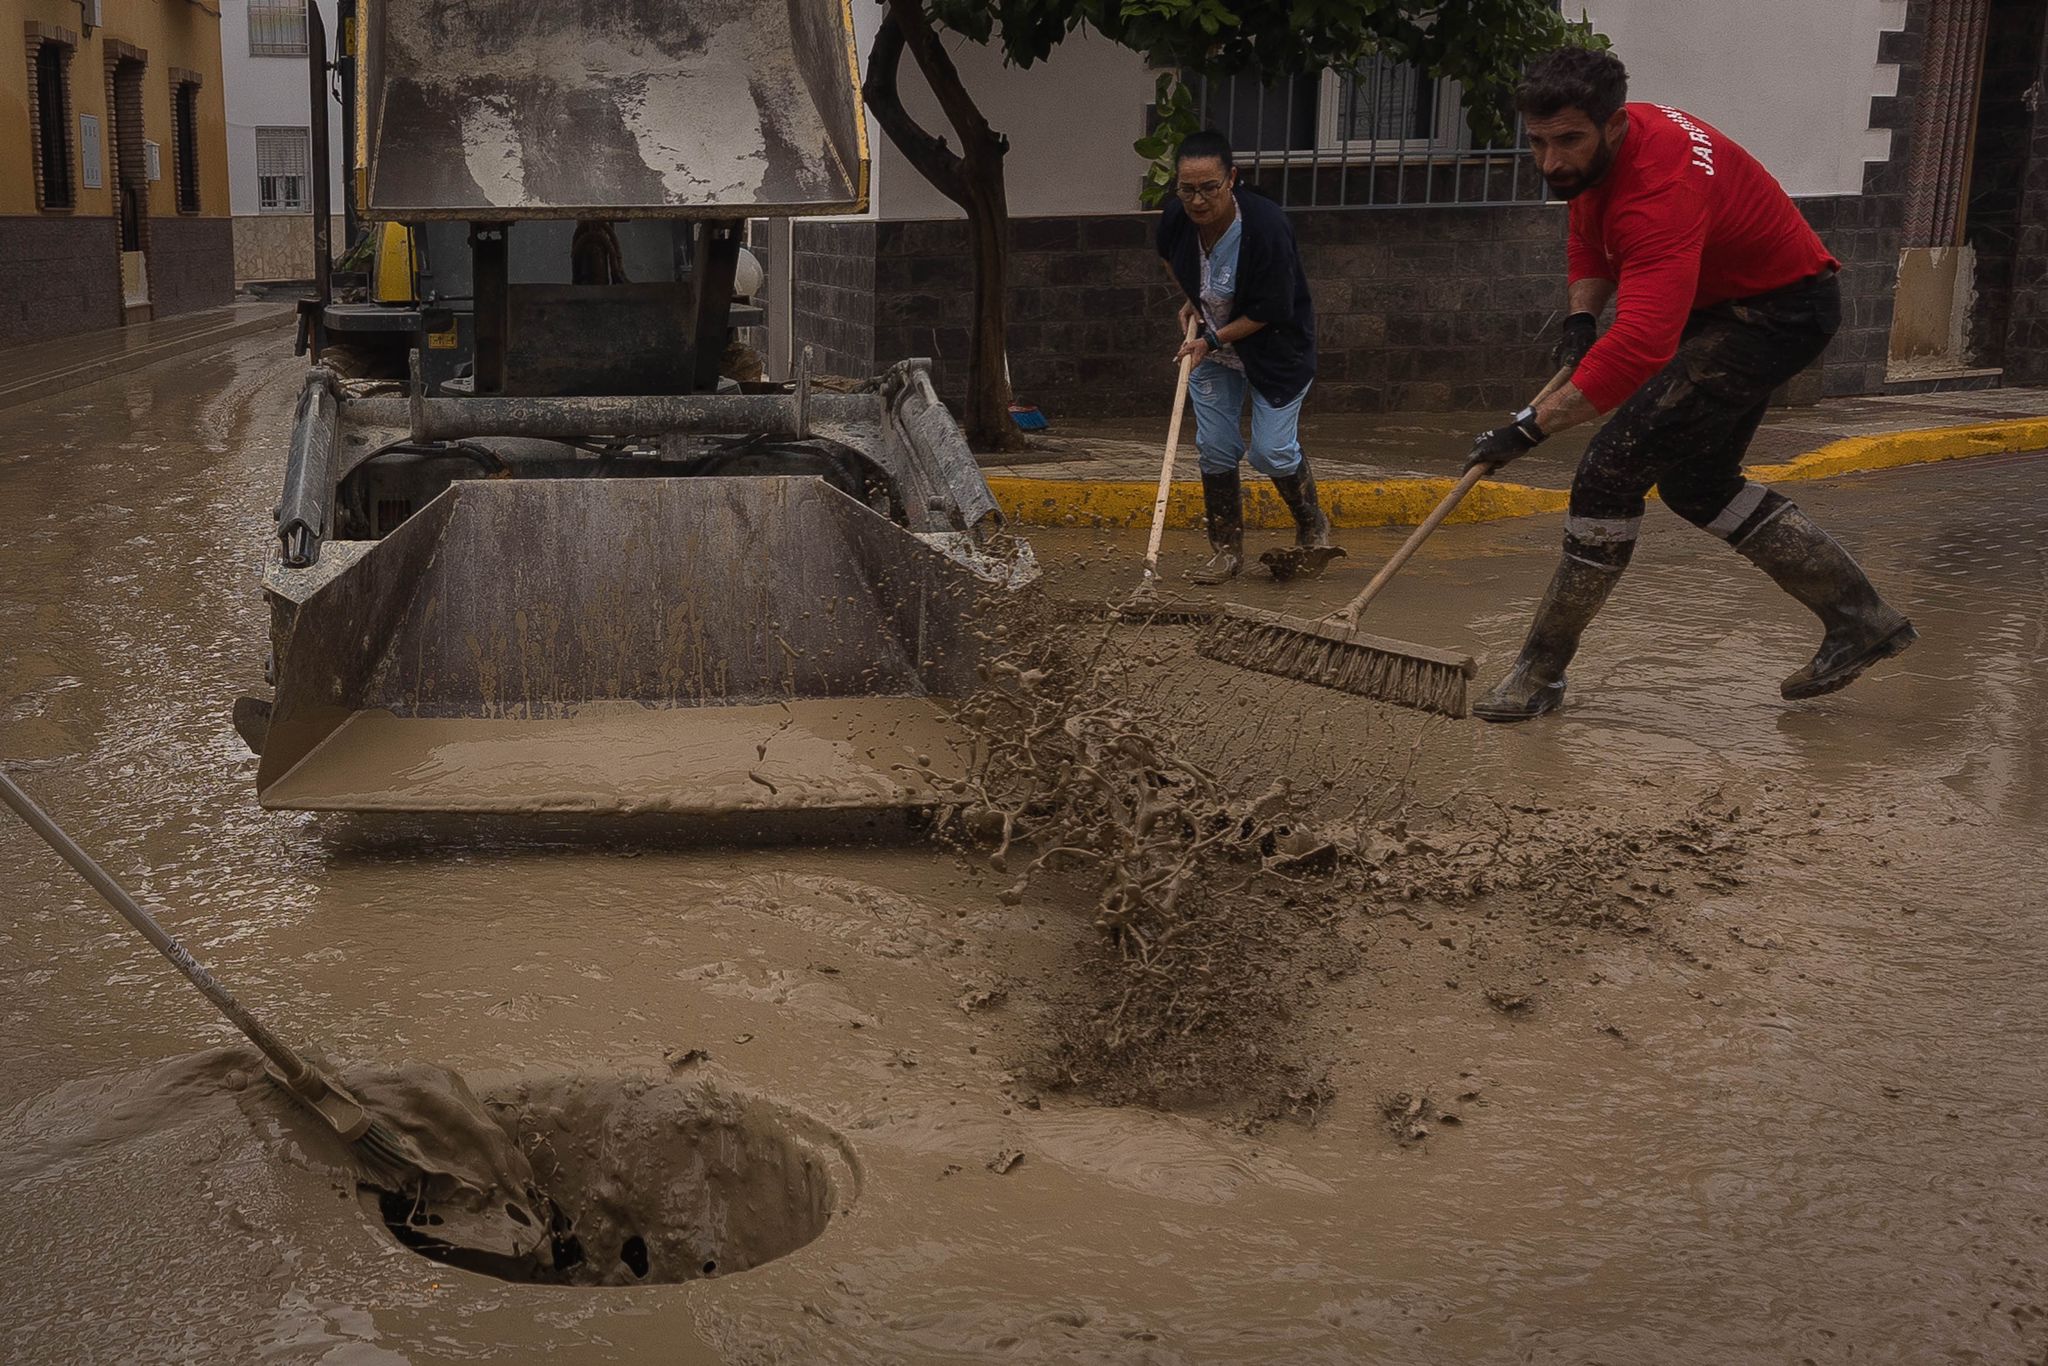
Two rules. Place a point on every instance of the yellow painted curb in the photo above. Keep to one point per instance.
(1353, 503)
(1857, 454)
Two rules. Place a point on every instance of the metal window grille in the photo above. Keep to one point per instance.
(185, 145)
(53, 120)
(283, 158)
(277, 28)
(1382, 135)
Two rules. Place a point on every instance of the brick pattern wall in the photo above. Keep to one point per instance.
(58, 274)
(2014, 58)
(2026, 336)
(1418, 309)
(191, 264)
(2026, 304)
(832, 305)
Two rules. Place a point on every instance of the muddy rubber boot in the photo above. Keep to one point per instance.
(1223, 499)
(1536, 684)
(1812, 566)
(1311, 552)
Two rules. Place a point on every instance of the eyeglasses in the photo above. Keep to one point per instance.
(1207, 190)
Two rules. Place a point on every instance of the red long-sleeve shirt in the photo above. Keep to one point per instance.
(1684, 219)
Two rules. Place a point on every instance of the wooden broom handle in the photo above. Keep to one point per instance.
(1350, 611)
(1180, 403)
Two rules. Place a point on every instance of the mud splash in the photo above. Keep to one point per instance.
(1212, 904)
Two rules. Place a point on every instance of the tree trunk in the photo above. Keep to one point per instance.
(971, 178)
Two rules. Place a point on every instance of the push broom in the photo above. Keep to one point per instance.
(394, 1162)
(1333, 653)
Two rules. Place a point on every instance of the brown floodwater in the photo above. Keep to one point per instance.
(1797, 1117)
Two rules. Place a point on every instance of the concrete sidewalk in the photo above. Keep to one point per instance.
(1390, 469)
(40, 369)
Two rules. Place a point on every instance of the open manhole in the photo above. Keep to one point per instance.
(654, 1180)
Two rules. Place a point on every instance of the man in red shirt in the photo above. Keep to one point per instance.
(1722, 293)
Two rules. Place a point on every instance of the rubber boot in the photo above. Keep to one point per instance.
(1536, 684)
(1812, 566)
(1223, 499)
(1298, 491)
(1312, 551)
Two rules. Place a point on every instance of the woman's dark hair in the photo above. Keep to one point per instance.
(1574, 78)
(1205, 143)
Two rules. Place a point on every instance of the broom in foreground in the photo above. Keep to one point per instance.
(1333, 653)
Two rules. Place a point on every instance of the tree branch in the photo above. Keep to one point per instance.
(977, 139)
(935, 161)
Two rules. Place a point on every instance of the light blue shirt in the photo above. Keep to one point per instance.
(1219, 286)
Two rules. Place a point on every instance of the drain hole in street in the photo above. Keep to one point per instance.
(683, 1180)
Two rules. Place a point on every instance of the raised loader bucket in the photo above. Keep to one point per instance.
(492, 110)
(704, 646)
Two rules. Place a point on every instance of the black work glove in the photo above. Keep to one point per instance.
(1580, 331)
(1496, 448)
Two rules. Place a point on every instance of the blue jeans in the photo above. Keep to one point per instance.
(1218, 395)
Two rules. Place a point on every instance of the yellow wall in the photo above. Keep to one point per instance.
(178, 33)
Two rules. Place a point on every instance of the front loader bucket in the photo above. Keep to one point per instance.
(690, 646)
(497, 110)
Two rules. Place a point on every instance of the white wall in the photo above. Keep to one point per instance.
(266, 92)
(1790, 80)
(1070, 120)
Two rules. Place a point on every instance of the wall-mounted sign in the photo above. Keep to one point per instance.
(90, 154)
(156, 161)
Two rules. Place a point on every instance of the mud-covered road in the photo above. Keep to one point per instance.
(1745, 1062)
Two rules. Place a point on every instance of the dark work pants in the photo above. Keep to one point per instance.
(1686, 430)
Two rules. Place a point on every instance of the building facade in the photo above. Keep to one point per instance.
(1912, 133)
(113, 165)
(270, 162)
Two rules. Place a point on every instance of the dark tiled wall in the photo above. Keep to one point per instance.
(2026, 333)
(57, 275)
(2014, 60)
(191, 264)
(832, 303)
(1863, 233)
(1417, 308)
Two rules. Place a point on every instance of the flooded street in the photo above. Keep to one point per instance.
(1779, 1096)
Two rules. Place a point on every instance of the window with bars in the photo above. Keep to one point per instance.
(185, 144)
(1385, 133)
(53, 123)
(283, 159)
(277, 28)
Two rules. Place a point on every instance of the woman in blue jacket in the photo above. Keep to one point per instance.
(1232, 252)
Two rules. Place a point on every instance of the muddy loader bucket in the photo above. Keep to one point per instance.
(691, 646)
(494, 110)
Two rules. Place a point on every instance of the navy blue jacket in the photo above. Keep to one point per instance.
(1280, 358)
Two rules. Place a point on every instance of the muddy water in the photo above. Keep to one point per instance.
(1800, 1119)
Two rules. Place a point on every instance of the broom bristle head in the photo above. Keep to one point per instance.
(1329, 656)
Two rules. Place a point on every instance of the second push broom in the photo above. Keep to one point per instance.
(1333, 653)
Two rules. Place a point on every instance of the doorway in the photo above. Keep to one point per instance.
(131, 183)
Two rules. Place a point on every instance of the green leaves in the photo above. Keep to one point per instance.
(1177, 119)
